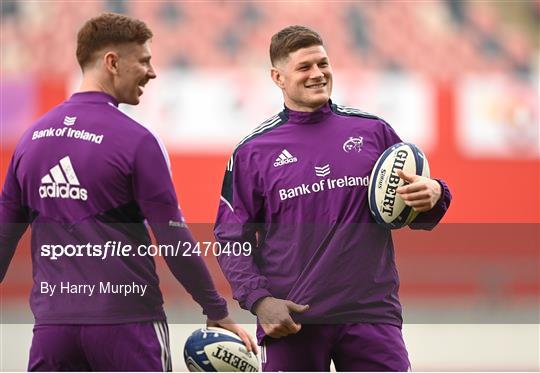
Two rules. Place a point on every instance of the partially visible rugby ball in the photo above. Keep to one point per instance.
(385, 204)
(218, 350)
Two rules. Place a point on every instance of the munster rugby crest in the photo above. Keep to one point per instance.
(353, 144)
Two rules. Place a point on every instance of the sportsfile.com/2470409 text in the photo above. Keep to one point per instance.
(118, 249)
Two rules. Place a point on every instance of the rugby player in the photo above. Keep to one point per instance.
(322, 279)
(86, 177)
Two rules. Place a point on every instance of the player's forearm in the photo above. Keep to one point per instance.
(243, 274)
(234, 226)
(190, 270)
(193, 274)
(429, 219)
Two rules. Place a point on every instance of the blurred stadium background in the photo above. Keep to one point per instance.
(458, 78)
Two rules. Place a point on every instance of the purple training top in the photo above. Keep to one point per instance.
(296, 188)
(86, 174)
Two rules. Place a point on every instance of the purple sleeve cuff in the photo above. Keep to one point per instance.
(254, 296)
(429, 219)
(218, 312)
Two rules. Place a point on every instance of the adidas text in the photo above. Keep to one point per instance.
(63, 191)
(282, 162)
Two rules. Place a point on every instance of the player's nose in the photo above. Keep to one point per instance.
(151, 73)
(316, 73)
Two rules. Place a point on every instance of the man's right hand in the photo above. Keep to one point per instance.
(275, 316)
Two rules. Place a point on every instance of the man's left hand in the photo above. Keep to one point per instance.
(421, 193)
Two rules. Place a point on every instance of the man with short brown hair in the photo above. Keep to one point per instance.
(322, 278)
(128, 40)
(88, 177)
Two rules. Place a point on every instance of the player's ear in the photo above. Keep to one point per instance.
(110, 59)
(277, 77)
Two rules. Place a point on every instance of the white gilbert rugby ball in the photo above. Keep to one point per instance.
(218, 350)
(385, 204)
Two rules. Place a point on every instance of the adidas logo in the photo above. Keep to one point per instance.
(62, 182)
(285, 158)
(322, 171)
(69, 121)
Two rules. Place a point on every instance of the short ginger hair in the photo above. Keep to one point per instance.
(108, 29)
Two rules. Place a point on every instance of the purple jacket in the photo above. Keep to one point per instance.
(86, 174)
(296, 188)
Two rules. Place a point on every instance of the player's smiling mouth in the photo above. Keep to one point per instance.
(318, 85)
(141, 87)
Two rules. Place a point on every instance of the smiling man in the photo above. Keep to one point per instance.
(96, 301)
(322, 278)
